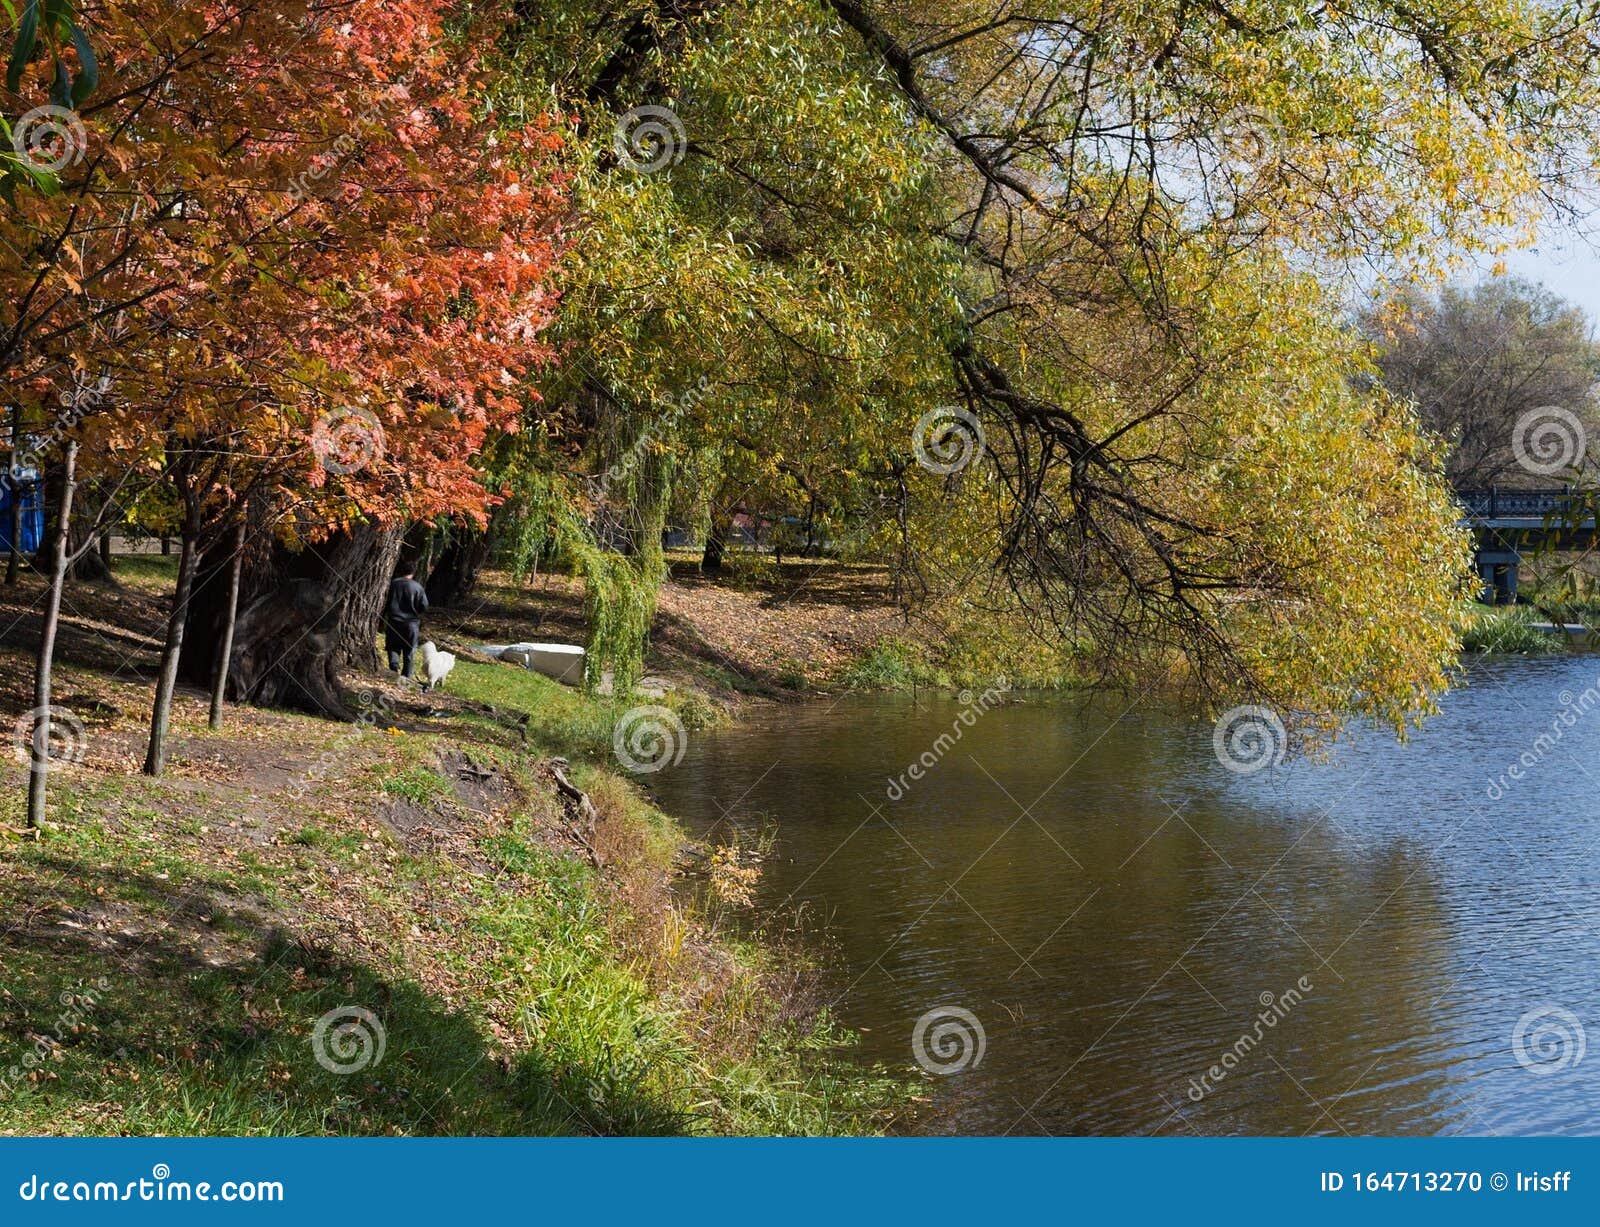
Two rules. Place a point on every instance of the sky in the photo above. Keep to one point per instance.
(1568, 263)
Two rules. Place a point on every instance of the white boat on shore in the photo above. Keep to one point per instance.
(562, 661)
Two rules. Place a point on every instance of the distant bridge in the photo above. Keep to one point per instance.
(1508, 523)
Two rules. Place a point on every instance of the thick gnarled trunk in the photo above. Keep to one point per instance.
(303, 619)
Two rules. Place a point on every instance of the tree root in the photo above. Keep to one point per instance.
(579, 815)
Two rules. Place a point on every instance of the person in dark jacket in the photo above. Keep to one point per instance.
(402, 620)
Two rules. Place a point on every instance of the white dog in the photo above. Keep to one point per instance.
(437, 663)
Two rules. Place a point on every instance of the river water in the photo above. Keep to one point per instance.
(1394, 941)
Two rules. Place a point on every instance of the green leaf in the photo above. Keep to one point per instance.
(89, 68)
(61, 87)
(27, 36)
(45, 180)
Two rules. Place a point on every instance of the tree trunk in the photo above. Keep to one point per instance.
(87, 565)
(166, 545)
(208, 613)
(230, 618)
(454, 573)
(14, 559)
(155, 757)
(39, 770)
(716, 546)
(105, 549)
(302, 619)
(417, 548)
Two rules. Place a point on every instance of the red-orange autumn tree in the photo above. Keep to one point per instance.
(307, 278)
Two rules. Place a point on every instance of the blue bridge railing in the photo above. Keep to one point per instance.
(1495, 503)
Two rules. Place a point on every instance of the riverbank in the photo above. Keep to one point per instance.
(1528, 630)
(775, 630)
(401, 926)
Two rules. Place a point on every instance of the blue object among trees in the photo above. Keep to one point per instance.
(27, 490)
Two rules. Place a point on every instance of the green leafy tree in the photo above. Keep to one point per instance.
(1113, 239)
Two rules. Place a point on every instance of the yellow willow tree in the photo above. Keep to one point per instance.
(1189, 483)
(752, 298)
(1112, 242)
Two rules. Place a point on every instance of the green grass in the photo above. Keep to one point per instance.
(895, 664)
(725, 678)
(224, 1051)
(159, 984)
(155, 569)
(418, 784)
(1508, 630)
(313, 836)
(1568, 602)
(157, 1042)
(563, 719)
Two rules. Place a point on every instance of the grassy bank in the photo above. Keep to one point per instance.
(774, 630)
(897, 663)
(398, 927)
(1509, 630)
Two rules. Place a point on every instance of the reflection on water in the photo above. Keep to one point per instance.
(1114, 907)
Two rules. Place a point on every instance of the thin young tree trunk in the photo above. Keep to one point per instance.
(39, 770)
(156, 755)
(14, 560)
(230, 616)
(105, 549)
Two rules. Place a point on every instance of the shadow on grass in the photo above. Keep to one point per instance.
(134, 1004)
